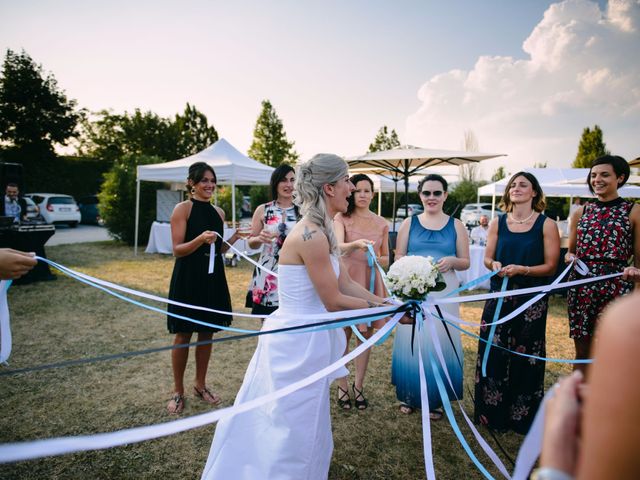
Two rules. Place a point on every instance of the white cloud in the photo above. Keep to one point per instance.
(582, 68)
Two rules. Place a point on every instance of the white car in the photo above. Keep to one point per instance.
(57, 208)
(471, 213)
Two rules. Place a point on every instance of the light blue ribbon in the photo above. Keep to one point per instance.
(492, 329)
(452, 419)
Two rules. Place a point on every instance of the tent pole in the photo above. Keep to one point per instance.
(135, 235)
(233, 200)
(395, 193)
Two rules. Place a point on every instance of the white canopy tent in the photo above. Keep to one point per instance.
(556, 182)
(231, 167)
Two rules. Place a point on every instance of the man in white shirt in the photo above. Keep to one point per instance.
(479, 234)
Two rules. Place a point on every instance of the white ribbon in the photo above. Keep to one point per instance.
(250, 260)
(5, 325)
(212, 257)
(12, 452)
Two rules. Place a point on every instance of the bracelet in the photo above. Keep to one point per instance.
(528, 270)
(546, 473)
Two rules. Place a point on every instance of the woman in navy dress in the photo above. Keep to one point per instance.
(524, 245)
(195, 226)
(435, 234)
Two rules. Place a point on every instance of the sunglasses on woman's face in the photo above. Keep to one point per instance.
(427, 193)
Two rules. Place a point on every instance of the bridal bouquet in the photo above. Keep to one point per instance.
(412, 277)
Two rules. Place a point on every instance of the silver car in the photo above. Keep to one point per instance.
(471, 213)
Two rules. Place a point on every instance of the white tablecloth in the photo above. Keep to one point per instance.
(160, 239)
(476, 267)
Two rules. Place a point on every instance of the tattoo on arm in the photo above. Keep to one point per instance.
(306, 235)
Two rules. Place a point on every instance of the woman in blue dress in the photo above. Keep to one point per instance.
(432, 233)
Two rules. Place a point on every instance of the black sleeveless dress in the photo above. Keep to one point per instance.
(191, 283)
(509, 396)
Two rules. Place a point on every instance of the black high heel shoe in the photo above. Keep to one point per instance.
(344, 401)
(359, 399)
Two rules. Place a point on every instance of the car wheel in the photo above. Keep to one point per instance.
(73, 224)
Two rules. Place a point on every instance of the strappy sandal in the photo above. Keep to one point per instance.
(176, 404)
(344, 401)
(207, 396)
(405, 409)
(358, 398)
(436, 415)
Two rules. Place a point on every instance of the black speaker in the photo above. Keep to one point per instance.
(11, 173)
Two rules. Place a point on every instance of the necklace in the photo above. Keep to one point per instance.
(520, 222)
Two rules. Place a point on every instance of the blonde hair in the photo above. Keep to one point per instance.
(311, 176)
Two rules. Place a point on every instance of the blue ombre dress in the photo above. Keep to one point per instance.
(404, 365)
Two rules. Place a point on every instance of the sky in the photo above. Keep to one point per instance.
(524, 76)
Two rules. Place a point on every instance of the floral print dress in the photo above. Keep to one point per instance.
(510, 394)
(604, 244)
(264, 286)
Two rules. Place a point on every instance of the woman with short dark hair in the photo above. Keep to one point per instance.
(604, 234)
(524, 246)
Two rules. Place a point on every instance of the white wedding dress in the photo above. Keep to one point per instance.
(290, 438)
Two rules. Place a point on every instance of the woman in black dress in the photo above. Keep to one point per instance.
(195, 226)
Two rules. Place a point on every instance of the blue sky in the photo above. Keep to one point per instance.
(336, 71)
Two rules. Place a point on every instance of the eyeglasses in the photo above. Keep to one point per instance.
(427, 193)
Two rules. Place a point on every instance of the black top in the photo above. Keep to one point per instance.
(191, 283)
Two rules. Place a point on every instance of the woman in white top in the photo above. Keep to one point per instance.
(290, 438)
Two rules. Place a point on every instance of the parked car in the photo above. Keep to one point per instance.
(89, 210)
(414, 209)
(57, 208)
(33, 212)
(470, 214)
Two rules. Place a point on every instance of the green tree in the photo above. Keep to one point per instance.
(224, 201)
(112, 137)
(591, 146)
(384, 140)
(270, 145)
(499, 174)
(34, 112)
(118, 199)
(193, 132)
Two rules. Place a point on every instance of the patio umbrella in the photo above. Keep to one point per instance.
(402, 162)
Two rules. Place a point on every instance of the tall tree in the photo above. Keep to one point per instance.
(34, 113)
(193, 131)
(270, 145)
(469, 171)
(591, 146)
(384, 140)
(499, 174)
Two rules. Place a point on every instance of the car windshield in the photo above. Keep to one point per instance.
(61, 201)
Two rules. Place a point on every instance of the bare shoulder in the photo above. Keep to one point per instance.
(635, 212)
(182, 209)
(306, 239)
(459, 225)
(220, 212)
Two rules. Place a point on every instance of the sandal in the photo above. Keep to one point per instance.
(344, 401)
(207, 396)
(358, 398)
(176, 404)
(436, 415)
(405, 409)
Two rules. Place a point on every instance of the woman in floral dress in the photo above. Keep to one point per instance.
(604, 234)
(269, 227)
(524, 245)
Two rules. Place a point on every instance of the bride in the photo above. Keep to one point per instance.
(291, 438)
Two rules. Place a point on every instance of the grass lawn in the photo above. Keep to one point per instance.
(64, 320)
